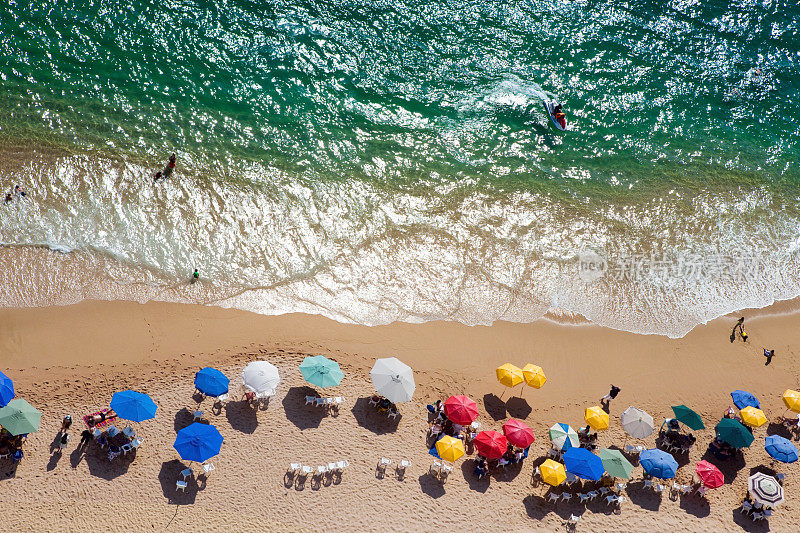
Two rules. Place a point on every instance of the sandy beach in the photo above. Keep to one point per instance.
(71, 360)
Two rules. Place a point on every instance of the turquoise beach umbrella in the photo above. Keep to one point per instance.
(688, 417)
(734, 433)
(321, 371)
(19, 417)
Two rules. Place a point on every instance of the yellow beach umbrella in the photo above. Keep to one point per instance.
(596, 417)
(450, 448)
(753, 417)
(552, 473)
(509, 375)
(534, 375)
(792, 400)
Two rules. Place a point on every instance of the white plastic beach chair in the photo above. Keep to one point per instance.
(321, 402)
(198, 415)
(555, 454)
(294, 467)
(112, 455)
(554, 497)
(611, 499)
(403, 465)
(475, 426)
(126, 448)
(322, 470)
(566, 496)
(112, 431)
(648, 484)
(583, 497)
(444, 472)
(746, 507)
(373, 401)
(658, 487)
(181, 485)
(338, 400)
(392, 414)
(435, 468)
(306, 470)
(341, 465)
(574, 519)
(187, 473)
(571, 478)
(311, 400)
(758, 516)
(384, 462)
(621, 486)
(222, 398)
(136, 443)
(605, 490)
(593, 494)
(701, 490)
(129, 432)
(208, 468)
(780, 477)
(767, 513)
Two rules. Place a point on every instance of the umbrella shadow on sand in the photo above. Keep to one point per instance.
(431, 486)
(242, 416)
(183, 418)
(644, 497)
(368, 417)
(171, 473)
(468, 470)
(8, 469)
(494, 406)
(748, 524)
(730, 468)
(100, 466)
(297, 412)
(518, 407)
(695, 505)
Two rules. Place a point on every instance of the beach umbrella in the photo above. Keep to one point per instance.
(742, 399)
(260, 377)
(518, 433)
(450, 448)
(19, 417)
(709, 474)
(792, 400)
(596, 418)
(509, 375)
(615, 463)
(533, 376)
(198, 442)
(658, 463)
(393, 379)
(461, 410)
(753, 417)
(211, 382)
(6, 389)
(765, 489)
(552, 473)
(734, 433)
(563, 437)
(583, 463)
(781, 449)
(134, 406)
(637, 423)
(687, 416)
(491, 444)
(321, 371)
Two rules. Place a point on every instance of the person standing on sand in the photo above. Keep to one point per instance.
(195, 276)
(86, 438)
(769, 354)
(740, 325)
(611, 394)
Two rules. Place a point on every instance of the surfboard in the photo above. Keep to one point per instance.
(560, 125)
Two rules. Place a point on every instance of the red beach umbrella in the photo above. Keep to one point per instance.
(461, 410)
(518, 433)
(709, 475)
(491, 444)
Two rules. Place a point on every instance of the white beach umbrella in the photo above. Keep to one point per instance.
(393, 379)
(637, 423)
(260, 376)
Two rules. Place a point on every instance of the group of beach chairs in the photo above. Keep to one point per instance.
(188, 473)
(331, 404)
(400, 469)
(108, 440)
(300, 472)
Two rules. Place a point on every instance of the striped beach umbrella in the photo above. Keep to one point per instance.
(564, 437)
(765, 489)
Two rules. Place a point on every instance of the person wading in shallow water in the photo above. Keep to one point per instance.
(195, 276)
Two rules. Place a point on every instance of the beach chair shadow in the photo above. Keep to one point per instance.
(468, 470)
(644, 497)
(100, 466)
(518, 407)
(431, 486)
(297, 412)
(183, 418)
(242, 416)
(368, 417)
(494, 406)
(730, 468)
(170, 473)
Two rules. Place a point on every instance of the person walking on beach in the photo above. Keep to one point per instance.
(740, 325)
(195, 276)
(66, 423)
(611, 394)
(86, 438)
(769, 354)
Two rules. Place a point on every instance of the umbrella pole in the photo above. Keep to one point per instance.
(503, 393)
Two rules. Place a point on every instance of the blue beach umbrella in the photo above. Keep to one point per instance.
(6, 390)
(321, 371)
(742, 399)
(211, 381)
(198, 442)
(781, 449)
(583, 463)
(658, 463)
(132, 405)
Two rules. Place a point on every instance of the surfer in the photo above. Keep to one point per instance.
(558, 113)
(161, 175)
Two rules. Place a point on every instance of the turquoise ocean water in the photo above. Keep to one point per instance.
(376, 161)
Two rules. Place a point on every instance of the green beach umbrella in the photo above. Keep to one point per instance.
(19, 417)
(734, 433)
(687, 416)
(321, 371)
(615, 463)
